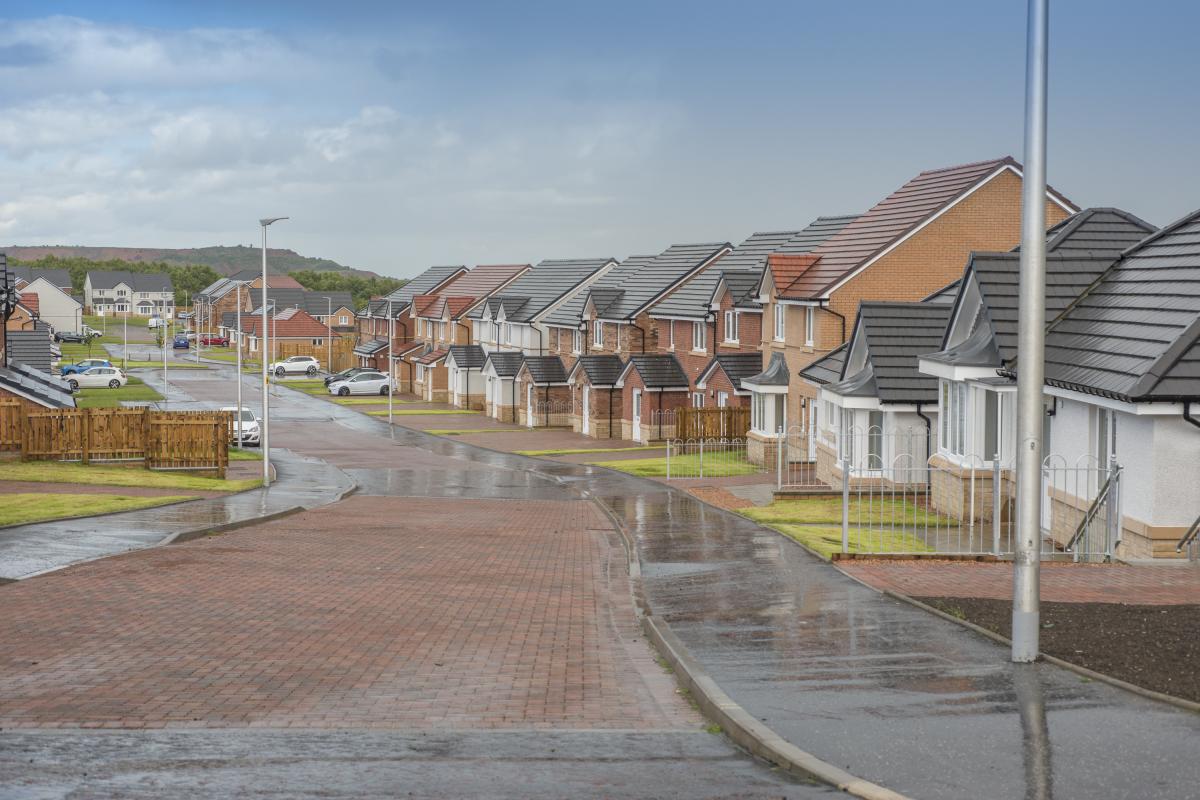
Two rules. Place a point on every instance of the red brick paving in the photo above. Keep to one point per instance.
(1151, 584)
(375, 612)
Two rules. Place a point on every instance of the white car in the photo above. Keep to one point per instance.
(363, 383)
(249, 427)
(306, 365)
(97, 378)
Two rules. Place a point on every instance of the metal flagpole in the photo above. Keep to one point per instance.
(391, 364)
(1031, 344)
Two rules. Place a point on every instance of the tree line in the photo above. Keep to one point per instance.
(186, 278)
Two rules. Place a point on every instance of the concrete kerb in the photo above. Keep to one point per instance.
(199, 533)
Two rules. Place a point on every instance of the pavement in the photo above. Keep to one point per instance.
(890, 693)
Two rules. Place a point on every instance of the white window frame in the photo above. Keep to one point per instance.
(698, 337)
(779, 315)
(810, 320)
(576, 341)
(731, 326)
(697, 399)
(343, 320)
(597, 333)
(670, 334)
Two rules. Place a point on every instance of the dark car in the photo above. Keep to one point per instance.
(70, 336)
(181, 342)
(347, 373)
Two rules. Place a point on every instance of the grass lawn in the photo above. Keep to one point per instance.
(171, 364)
(72, 353)
(828, 510)
(827, 539)
(245, 454)
(56, 472)
(111, 398)
(422, 412)
(684, 466)
(570, 451)
(230, 357)
(19, 509)
(313, 386)
(366, 400)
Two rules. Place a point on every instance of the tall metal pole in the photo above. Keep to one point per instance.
(1031, 344)
(329, 339)
(266, 417)
(125, 341)
(166, 381)
(391, 364)
(238, 368)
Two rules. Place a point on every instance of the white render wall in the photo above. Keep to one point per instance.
(56, 307)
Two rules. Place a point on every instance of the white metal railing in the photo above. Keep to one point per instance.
(709, 458)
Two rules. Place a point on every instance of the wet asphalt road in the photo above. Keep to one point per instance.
(890, 693)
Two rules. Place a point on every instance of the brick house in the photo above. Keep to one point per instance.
(652, 386)
(501, 400)
(373, 322)
(440, 320)
(543, 392)
(222, 296)
(594, 393)
(910, 244)
(293, 332)
(25, 314)
(716, 310)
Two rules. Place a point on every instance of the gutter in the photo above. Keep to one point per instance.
(640, 329)
(928, 432)
(839, 316)
(1187, 414)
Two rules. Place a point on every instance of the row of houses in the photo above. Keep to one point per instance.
(26, 350)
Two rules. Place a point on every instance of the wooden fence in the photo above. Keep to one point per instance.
(711, 423)
(164, 440)
(343, 352)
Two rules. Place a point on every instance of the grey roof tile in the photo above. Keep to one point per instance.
(776, 373)
(544, 285)
(895, 336)
(31, 348)
(545, 370)
(736, 366)
(657, 370)
(601, 370)
(40, 387)
(137, 281)
(468, 356)
(506, 364)
(426, 283)
(826, 369)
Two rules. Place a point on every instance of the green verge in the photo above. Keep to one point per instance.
(171, 364)
(828, 510)
(573, 451)
(422, 412)
(827, 540)
(20, 509)
(245, 454)
(56, 472)
(313, 386)
(230, 357)
(682, 466)
(135, 390)
(375, 400)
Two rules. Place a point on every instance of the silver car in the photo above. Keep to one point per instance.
(363, 383)
(249, 427)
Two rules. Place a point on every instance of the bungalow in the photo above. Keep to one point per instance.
(716, 311)
(440, 317)
(512, 319)
(976, 409)
(121, 292)
(910, 244)
(500, 369)
(392, 313)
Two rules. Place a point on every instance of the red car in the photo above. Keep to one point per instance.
(214, 341)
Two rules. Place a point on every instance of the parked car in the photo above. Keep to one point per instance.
(98, 378)
(91, 332)
(83, 366)
(214, 341)
(363, 383)
(306, 365)
(181, 342)
(249, 426)
(155, 322)
(346, 374)
(71, 336)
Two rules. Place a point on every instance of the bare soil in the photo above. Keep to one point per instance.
(1155, 647)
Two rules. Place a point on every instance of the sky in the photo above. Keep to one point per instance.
(400, 135)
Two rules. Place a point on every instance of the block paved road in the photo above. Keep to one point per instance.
(454, 629)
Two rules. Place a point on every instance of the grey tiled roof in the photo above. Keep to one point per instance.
(41, 388)
(468, 356)
(601, 370)
(1135, 335)
(776, 373)
(137, 281)
(605, 293)
(946, 294)
(55, 277)
(546, 369)
(1097, 232)
(826, 369)
(29, 347)
(657, 370)
(506, 364)
(425, 283)
(691, 300)
(736, 366)
(369, 347)
(312, 302)
(543, 286)
(895, 335)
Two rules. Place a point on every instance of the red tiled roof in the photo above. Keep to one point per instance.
(890, 220)
(459, 305)
(432, 356)
(423, 303)
(292, 323)
(785, 269)
(467, 289)
(283, 282)
(31, 301)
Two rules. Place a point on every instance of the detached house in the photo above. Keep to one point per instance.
(293, 332)
(142, 294)
(441, 322)
(612, 319)
(392, 313)
(512, 320)
(910, 244)
(212, 303)
(44, 299)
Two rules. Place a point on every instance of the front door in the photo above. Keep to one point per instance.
(529, 404)
(637, 415)
(587, 410)
(454, 383)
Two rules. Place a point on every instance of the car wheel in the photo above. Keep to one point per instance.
(342, 392)
(114, 384)
(383, 390)
(73, 384)
(310, 371)
(279, 372)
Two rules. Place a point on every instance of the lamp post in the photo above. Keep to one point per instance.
(329, 338)
(391, 363)
(166, 335)
(1031, 344)
(266, 418)
(238, 367)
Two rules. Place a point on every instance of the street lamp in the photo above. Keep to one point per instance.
(391, 363)
(329, 338)
(241, 425)
(266, 417)
(166, 334)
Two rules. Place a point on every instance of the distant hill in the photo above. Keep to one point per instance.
(223, 260)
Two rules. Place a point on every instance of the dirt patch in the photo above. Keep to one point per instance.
(721, 498)
(39, 487)
(1155, 647)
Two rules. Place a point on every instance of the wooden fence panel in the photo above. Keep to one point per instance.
(56, 435)
(12, 418)
(116, 434)
(711, 423)
(188, 440)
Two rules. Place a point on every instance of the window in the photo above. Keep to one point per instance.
(506, 331)
(120, 292)
(722, 399)
(731, 326)
(343, 320)
(420, 326)
(495, 332)
(875, 440)
(780, 322)
(420, 372)
(810, 320)
(598, 333)
(846, 436)
(441, 331)
(576, 341)
(697, 399)
(317, 342)
(758, 408)
(991, 425)
(954, 418)
(698, 336)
